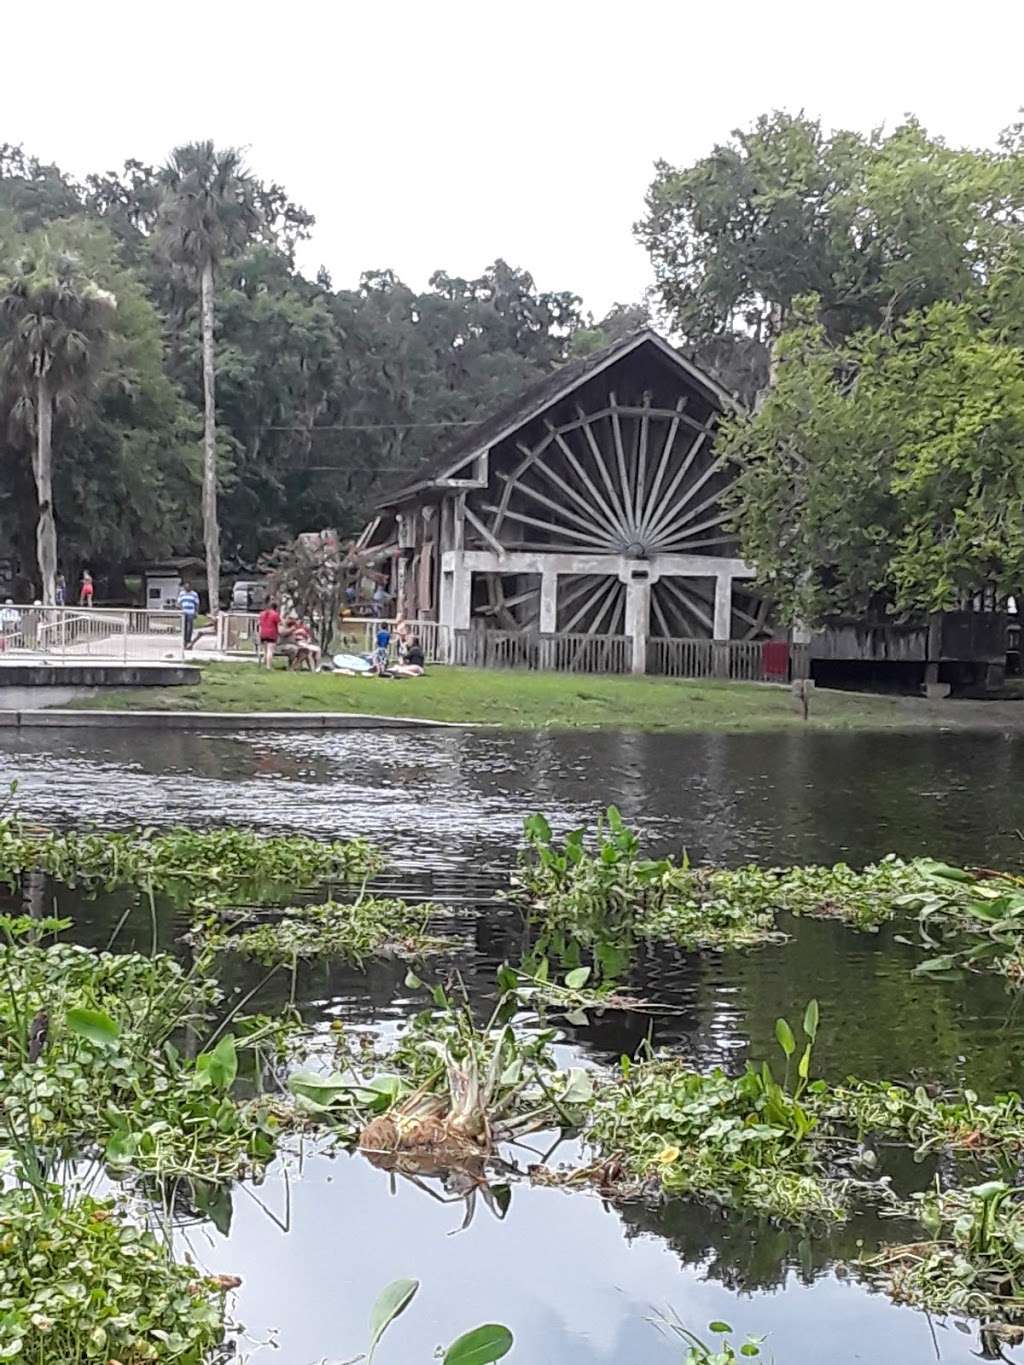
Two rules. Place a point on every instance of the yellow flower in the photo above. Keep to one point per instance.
(667, 1156)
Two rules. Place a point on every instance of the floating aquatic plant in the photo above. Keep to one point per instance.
(747, 1140)
(603, 887)
(452, 1089)
(213, 862)
(80, 1283)
(371, 925)
(973, 1261)
(88, 1063)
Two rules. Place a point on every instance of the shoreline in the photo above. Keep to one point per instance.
(54, 719)
(234, 696)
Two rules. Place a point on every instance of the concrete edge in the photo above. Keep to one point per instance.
(216, 720)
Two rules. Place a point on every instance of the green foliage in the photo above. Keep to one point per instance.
(217, 861)
(934, 410)
(488, 1082)
(974, 1260)
(370, 925)
(87, 1062)
(876, 227)
(720, 1352)
(78, 1283)
(322, 393)
(605, 890)
(481, 1346)
(959, 1122)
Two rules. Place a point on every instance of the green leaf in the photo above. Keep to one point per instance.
(811, 1020)
(219, 1067)
(947, 873)
(784, 1035)
(749, 1348)
(412, 982)
(936, 964)
(804, 1069)
(94, 1025)
(321, 1091)
(579, 1087)
(577, 978)
(393, 1301)
(482, 1346)
(722, 1328)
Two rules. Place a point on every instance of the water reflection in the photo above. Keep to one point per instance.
(577, 1280)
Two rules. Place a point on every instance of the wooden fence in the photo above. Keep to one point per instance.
(740, 660)
(548, 653)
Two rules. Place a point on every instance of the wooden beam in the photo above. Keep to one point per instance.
(585, 479)
(666, 518)
(688, 603)
(641, 463)
(524, 488)
(620, 459)
(659, 474)
(597, 518)
(482, 530)
(562, 531)
(676, 538)
(520, 469)
(684, 468)
(599, 591)
(598, 457)
(656, 608)
(625, 410)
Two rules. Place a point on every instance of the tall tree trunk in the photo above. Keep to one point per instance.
(46, 527)
(211, 526)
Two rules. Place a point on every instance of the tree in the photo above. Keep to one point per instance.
(309, 575)
(55, 321)
(874, 227)
(208, 212)
(887, 473)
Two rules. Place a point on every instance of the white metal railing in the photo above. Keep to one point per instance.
(238, 634)
(101, 633)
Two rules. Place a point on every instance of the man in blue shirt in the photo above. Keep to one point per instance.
(188, 605)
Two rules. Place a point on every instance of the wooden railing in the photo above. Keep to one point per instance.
(740, 660)
(551, 653)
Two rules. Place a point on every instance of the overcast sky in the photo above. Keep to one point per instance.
(444, 133)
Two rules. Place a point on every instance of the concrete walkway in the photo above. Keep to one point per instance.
(216, 720)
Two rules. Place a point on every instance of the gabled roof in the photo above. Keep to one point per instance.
(545, 393)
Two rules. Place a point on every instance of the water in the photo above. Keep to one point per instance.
(577, 1280)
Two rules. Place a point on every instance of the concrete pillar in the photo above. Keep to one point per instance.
(723, 606)
(548, 602)
(638, 617)
(462, 594)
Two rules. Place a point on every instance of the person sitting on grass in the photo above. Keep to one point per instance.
(414, 652)
(270, 629)
(299, 646)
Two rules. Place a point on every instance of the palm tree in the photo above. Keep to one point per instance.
(208, 211)
(53, 323)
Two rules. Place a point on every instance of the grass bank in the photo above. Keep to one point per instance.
(521, 700)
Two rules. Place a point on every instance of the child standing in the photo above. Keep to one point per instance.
(380, 654)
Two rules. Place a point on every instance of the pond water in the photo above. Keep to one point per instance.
(577, 1280)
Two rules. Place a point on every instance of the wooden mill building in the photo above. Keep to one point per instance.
(588, 510)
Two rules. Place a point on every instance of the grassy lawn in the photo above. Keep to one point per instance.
(534, 700)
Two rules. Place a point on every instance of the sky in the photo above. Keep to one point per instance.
(444, 134)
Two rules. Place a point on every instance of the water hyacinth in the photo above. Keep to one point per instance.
(80, 1283)
(372, 925)
(213, 862)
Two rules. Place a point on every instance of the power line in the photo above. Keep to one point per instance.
(374, 426)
